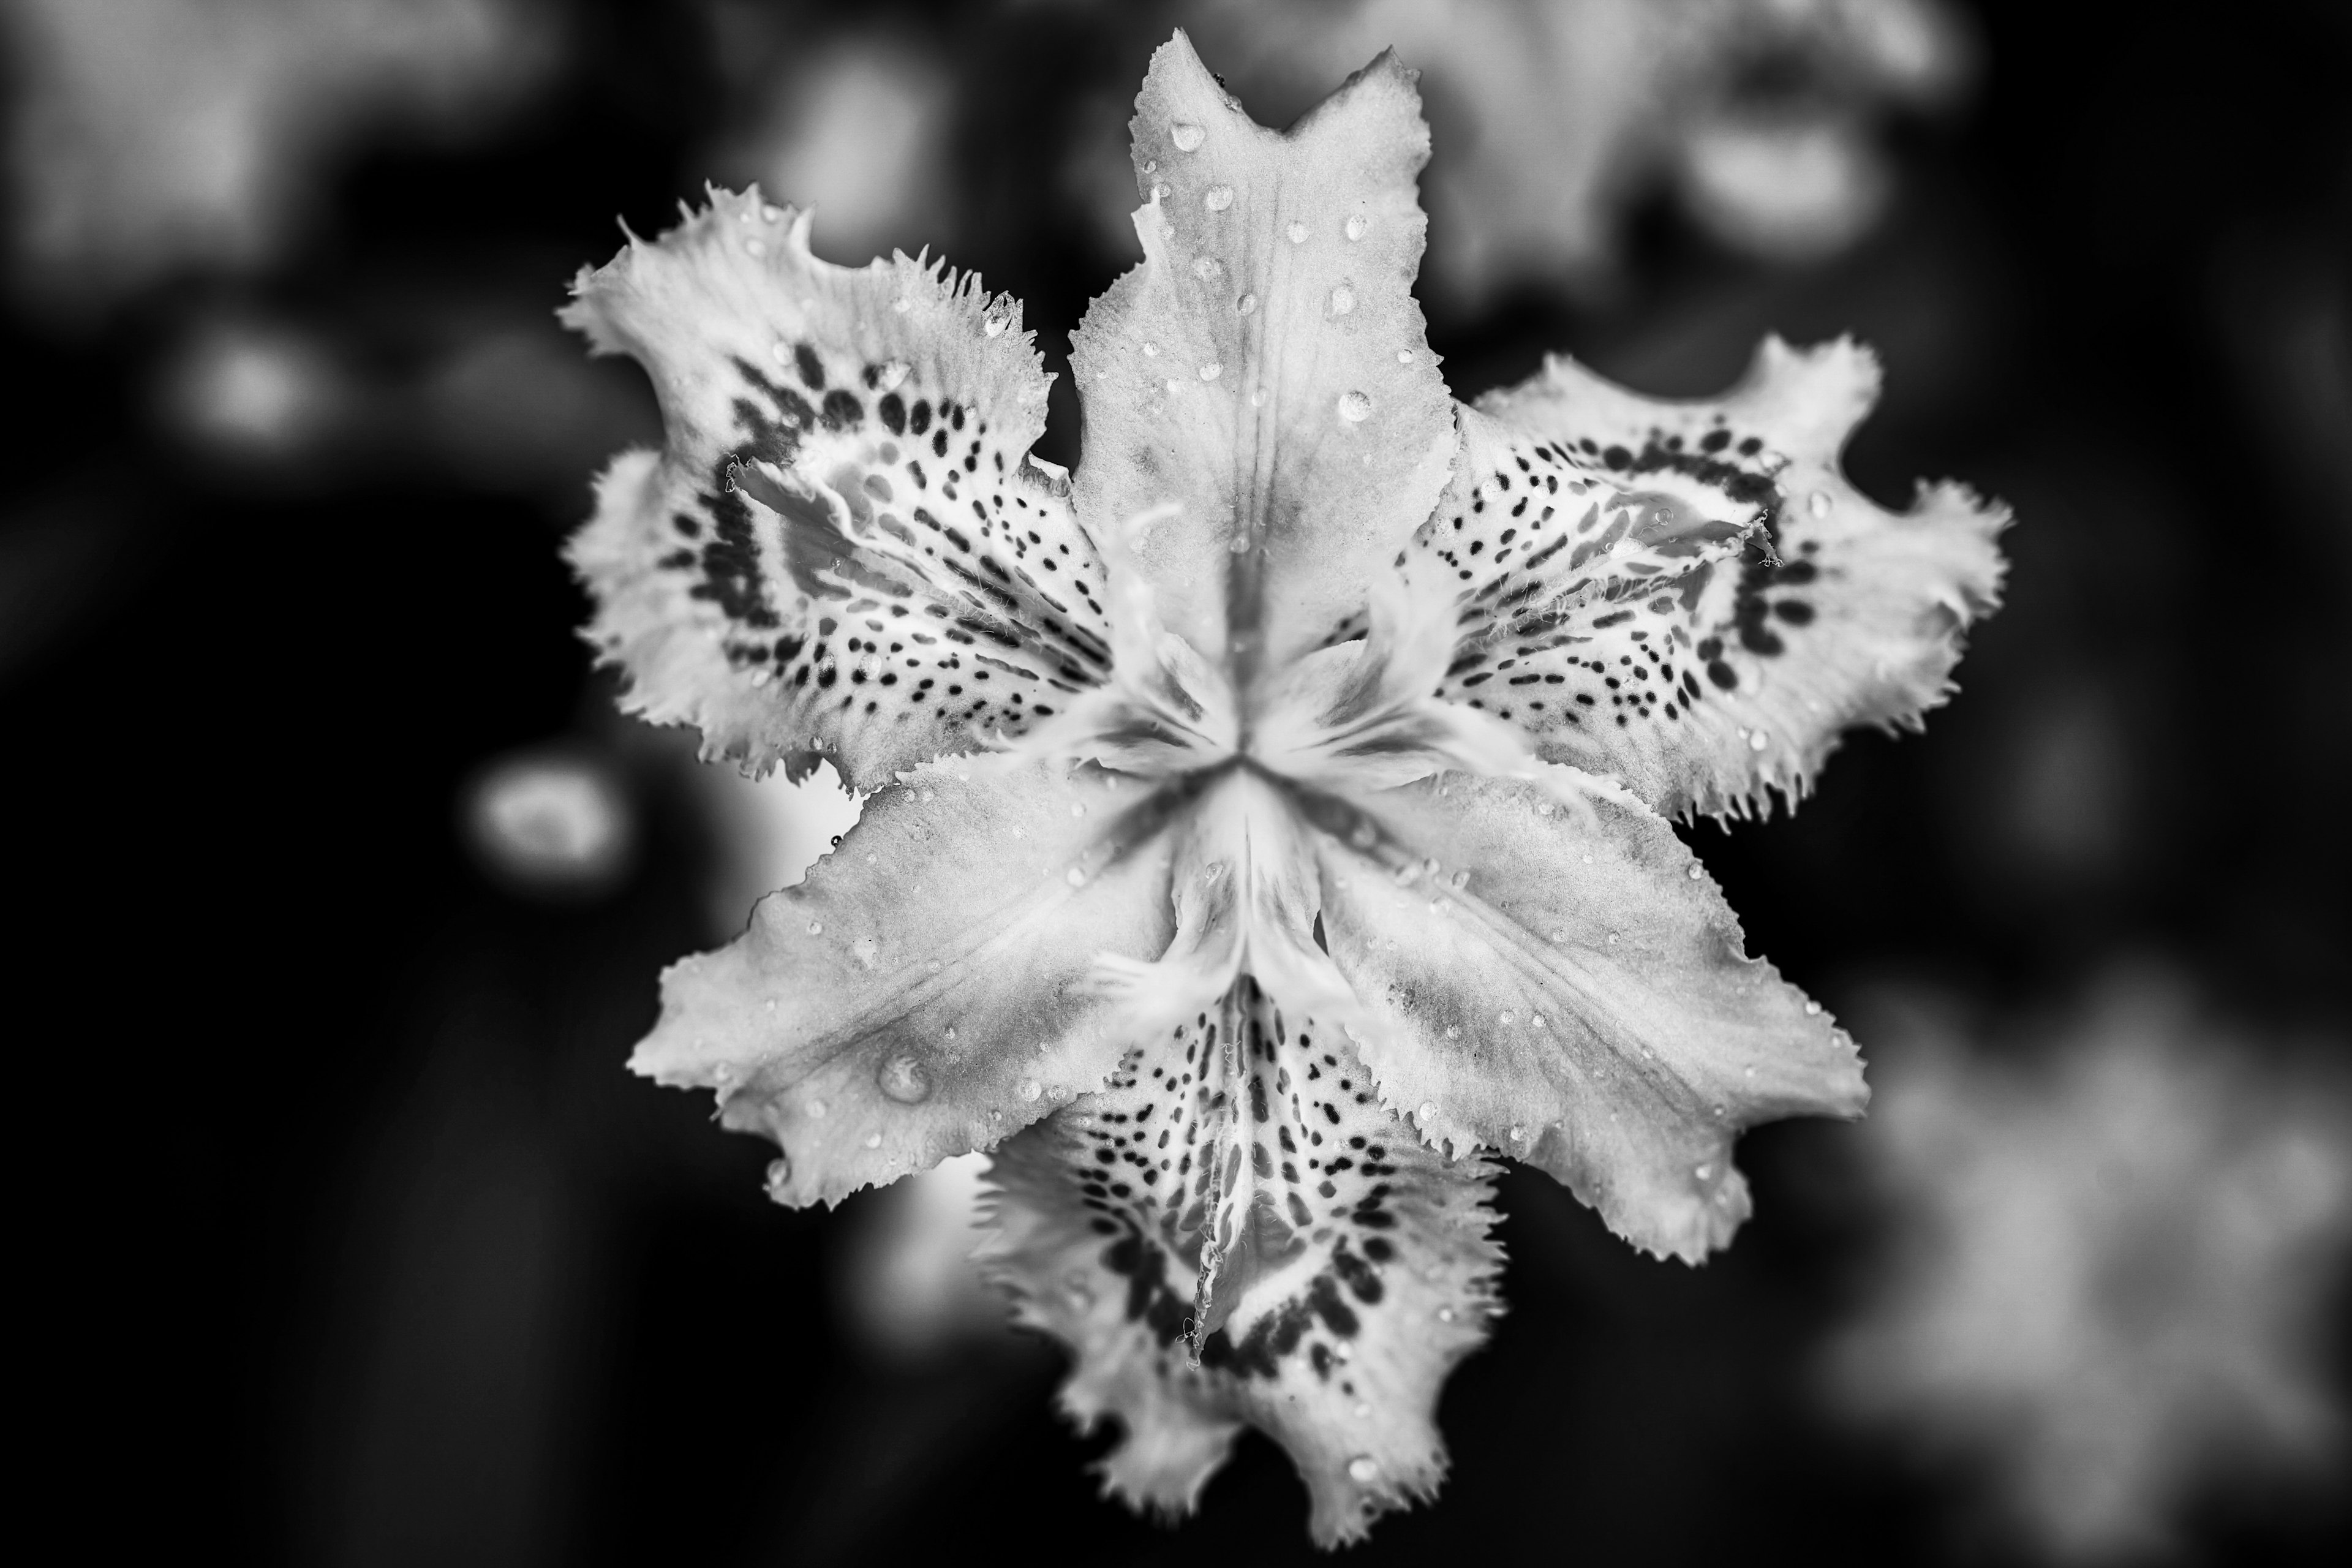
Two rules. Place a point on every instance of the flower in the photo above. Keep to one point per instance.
(1265, 823)
(2111, 1290)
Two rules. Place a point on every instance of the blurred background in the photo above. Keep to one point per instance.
(352, 1243)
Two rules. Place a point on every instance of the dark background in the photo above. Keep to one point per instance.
(351, 1240)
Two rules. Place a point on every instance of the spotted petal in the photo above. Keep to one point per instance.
(921, 994)
(1369, 1270)
(1261, 407)
(1568, 986)
(843, 545)
(1690, 597)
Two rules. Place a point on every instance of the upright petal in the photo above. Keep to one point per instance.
(1690, 597)
(843, 544)
(1360, 1267)
(1568, 986)
(1258, 392)
(922, 993)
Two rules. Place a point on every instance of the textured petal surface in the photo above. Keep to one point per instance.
(843, 545)
(918, 995)
(1361, 1268)
(1690, 597)
(1259, 388)
(1568, 986)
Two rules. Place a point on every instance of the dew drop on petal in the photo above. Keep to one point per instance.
(1298, 232)
(1355, 227)
(1217, 198)
(1030, 1088)
(1160, 191)
(995, 319)
(1354, 408)
(1245, 304)
(903, 1078)
(1518, 1134)
(1077, 808)
(782, 351)
(754, 247)
(894, 375)
(1428, 1111)
(1703, 1171)
(1537, 1019)
(1257, 397)
(1363, 1469)
(1075, 875)
(1343, 299)
(1207, 267)
(816, 928)
(1505, 1017)
(1239, 544)
(1756, 742)
(1151, 351)
(1151, 165)
(1211, 371)
(780, 1176)
(1187, 136)
(874, 1140)
(816, 1108)
(1404, 357)
(1811, 1008)
(1819, 502)
(1444, 1314)
(1694, 872)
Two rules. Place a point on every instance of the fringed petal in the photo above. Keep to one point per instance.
(1360, 1269)
(1261, 404)
(843, 545)
(1569, 987)
(1690, 597)
(923, 992)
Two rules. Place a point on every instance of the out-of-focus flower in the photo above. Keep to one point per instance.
(858, 133)
(151, 134)
(2109, 1284)
(255, 392)
(911, 1288)
(550, 824)
(1266, 824)
(1553, 116)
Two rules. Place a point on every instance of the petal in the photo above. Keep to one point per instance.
(1690, 597)
(919, 995)
(1259, 398)
(842, 545)
(1360, 1269)
(1568, 986)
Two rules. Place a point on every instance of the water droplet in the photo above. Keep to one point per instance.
(894, 375)
(1077, 808)
(1811, 1008)
(1207, 267)
(780, 1176)
(1354, 408)
(1444, 1314)
(1298, 232)
(1343, 299)
(774, 214)
(1819, 502)
(1075, 875)
(902, 304)
(1151, 351)
(1245, 304)
(1428, 1111)
(1174, 385)
(1505, 1017)
(1612, 939)
(1694, 872)
(782, 351)
(1363, 1469)
(816, 928)
(1151, 165)
(1355, 227)
(1217, 198)
(1537, 1019)
(1703, 1171)
(1187, 136)
(874, 1140)
(950, 1031)
(904, 1080)
(1257, 397)
(754, 247)
(1518, 1134)
(1030, 1088)
(1404, 357)
(1211, 371)
(816, 1108)
(1757, 742)
(1452, 1031)
(997, 317)
(1239, 544)
(1160, 191)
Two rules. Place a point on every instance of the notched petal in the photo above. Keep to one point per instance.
(1568, 987)
(1352, 1266)
(843, 545)
(1259, 388)
(1688, 595)
(922, 994)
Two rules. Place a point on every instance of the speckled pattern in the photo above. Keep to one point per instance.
(1237, 1228)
